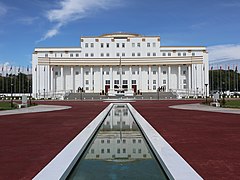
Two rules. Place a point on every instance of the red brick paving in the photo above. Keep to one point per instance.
(209, 141)
(30, 141)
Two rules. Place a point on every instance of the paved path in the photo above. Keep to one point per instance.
(201, 107)
(34, 109)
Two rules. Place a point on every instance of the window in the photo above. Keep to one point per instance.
(118, 72)
(138, 45)
(107, 54)
(92, 54)
(148, 44)
(86, 45)
(154, 87)
(117, 54)
(184, 54)
(86, 72)
(107, 82)
(86, 54)
(164, 54)
(118, 141)
(184, 72)
(123, 54)
(139, 141)
(118, 151)
(107, 45)
(154, 54)
(123, 45)
(56, 73)
(107, 72)
(92, 151)
(102, 54)
(139, 151)
(154, 72)
(92, 45)
(125, 81)
(116, 81)
(134, 151)
(108, 141)
(46, 55)
(71, 55)
(87, 82)
(193, 54)
(154, 44)
(164, 81)
(179, 54)
(164, 72)
(134, 141)
(133, 44)
(184, 86)
(134, 82)
(124, 140)
(124, 150)
(123, 72)
(148, 54)
(102, 141)
(77, 73)
(102, 45)
(154, 81)
(108, 151)
(138, 54)
(133, 54)
(77, 55)
(169, 54)
(117, 45)
(133, 72)
(184, 81)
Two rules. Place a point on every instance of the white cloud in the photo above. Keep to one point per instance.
(224, 54)
(27, 20)
(3, 9)
(230, 4)
(72, 10)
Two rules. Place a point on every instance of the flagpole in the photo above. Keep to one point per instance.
(229, 82)
(19, 79)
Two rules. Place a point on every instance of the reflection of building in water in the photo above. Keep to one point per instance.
(119, 138)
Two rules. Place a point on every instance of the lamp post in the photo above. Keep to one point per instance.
(30, 91)
(206, 92)
(43, 93)
(11, 95)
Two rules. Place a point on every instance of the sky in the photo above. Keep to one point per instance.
(27, 24)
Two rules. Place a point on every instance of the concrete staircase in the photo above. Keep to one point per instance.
(84, 96)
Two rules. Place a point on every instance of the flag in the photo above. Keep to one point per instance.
(220, 67)
(36, 68)
(44, 68)
(228, 67)
(2, 68)
(10, 68)
(203, 68)
(52, 68)
(27, 69)
(19, 69)
(236, 69)
(212, 68)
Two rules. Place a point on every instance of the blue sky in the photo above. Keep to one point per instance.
(27, 24)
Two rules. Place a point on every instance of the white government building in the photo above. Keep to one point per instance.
(119, 63)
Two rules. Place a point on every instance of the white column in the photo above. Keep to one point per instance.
(73, 80)
(159, 76)
(39, 81)
(140, 78)
(62, 79)
(189, 77)
(52, 79)
(179, 77)
(81, 77)
(130, 78)
(101, 78)
(111, 78)
(91, 79)
(150, 77)
(169, 78)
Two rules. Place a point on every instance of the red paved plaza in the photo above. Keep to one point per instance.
(208, 141)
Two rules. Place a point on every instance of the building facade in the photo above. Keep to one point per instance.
(131, 62)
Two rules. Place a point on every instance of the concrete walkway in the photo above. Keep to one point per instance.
(34, 109)
(201, 107)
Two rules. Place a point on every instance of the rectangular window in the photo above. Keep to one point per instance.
(154, 54)
(164, 72)
(184, 81)
(107, 72)
(107, 82)
(86, 82)
(164, 54)
(77, 55)
(117, 54)
(77, 73)
(164, 81)
(138, 45)
(184, 72)
(116, 81)
(125, 81)
(123, 45)
(123, 54)
(184, 54)
(102, 54)
(92, 54)
(154, 72)
(179, 54)
(107, 45)
(154, 44)
(154, 81)
(148, 54)
(46, 55)
(148, 44)
(193, 54)
(169, 54)
(86, 72)
(133, 44)
(92, 45)
(154, 87)
(87, 88)
(138, 54)
(133, 54)
(117, 45)
(133, 72)
(134, 81)
(86, 45)
(71, 55)
(86, 54)
(107, 54)
(102, 45)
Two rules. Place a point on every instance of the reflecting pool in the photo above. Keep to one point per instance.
(118, 151)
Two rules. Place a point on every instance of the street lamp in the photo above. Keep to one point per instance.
(30, 90)
(11, 95)
(206, 92)
(44, 93)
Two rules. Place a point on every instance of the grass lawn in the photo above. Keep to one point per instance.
(232, 104)
(6, 106)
